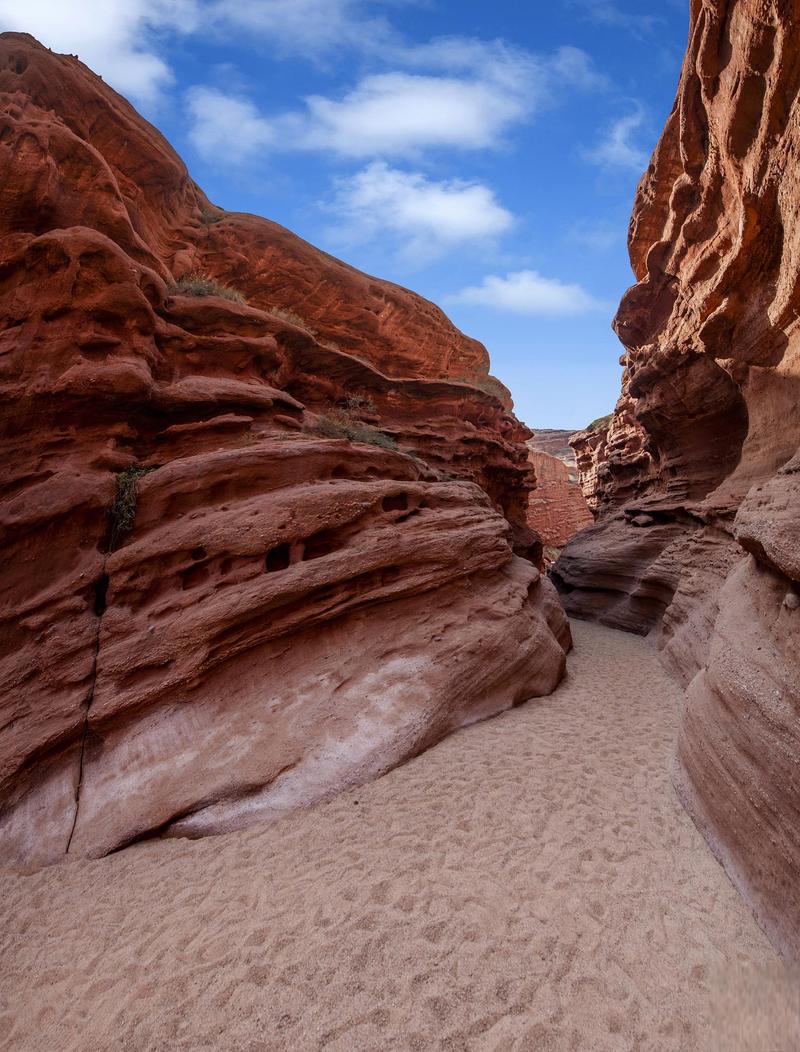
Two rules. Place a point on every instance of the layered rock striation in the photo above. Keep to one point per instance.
(259, 510)
(695, 478)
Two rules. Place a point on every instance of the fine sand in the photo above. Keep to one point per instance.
(530, 884)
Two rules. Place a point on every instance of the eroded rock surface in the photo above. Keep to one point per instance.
(252, 552)
(695, 479)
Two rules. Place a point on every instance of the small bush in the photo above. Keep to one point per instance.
(600, 423)
(375, 438)
(292, 318)
(123, 510)
(203, 285)
(341, 425)
(357, 404)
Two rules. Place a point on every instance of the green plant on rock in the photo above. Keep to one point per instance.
(197, 284)
(340, 424)
(292, 318)
(123, 511)
(357, 404)
(600, 423)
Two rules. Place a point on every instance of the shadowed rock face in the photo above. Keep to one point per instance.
(696, 477)
(252, 552)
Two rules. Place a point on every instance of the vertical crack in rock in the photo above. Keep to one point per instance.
(121, 517)
(100, 589)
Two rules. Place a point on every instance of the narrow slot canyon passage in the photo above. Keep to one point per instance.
(530, 883)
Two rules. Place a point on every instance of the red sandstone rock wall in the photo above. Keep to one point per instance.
(696, 477)
(316, 580)
(557, 508)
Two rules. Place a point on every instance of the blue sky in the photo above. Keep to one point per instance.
(484, 153)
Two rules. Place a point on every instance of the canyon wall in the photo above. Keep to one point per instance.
(696, 478)
(259, 511)
(557, 508)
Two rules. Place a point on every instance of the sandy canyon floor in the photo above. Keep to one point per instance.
(530, 884)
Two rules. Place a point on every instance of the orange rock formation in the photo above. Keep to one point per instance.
(696, 478)
(255, 548)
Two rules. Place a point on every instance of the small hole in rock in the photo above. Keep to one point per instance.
(320, 544)
(278, 559)
(198, 553)
(195, 575)
(395, 502)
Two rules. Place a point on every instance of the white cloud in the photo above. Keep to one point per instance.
(386, 115)
(454, 93)
(116, 38)
(124, 41)
(400, 113)
(618, 149)
(426, 217)
(304, 27)
(572, 66)
(527, 292)
(514, 69)
(226, 127)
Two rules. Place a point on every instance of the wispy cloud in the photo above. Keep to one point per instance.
(500, 62)
(422, 217)
(528, 292)
(456, 92)
(452, 93)
(619, 148)
(306, 28)
(123, 40)
(225, 126)
(116, 38)
(597, 235)
(575, 68)
(613, 14)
